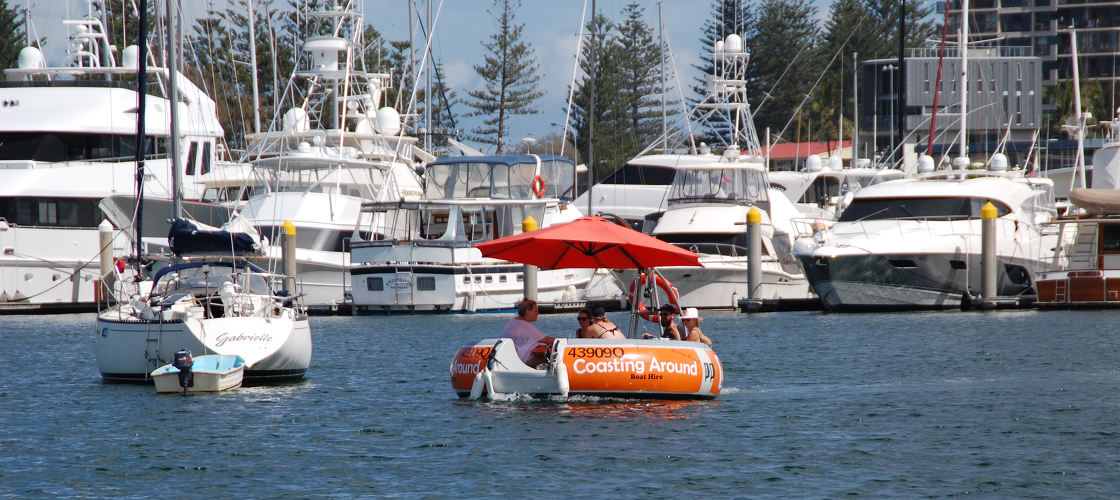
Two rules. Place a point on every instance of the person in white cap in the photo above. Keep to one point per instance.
(691, 319)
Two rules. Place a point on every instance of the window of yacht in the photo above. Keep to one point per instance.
(205, 158)
(54, 212)
(648, 175)
(192, 157)
(918, 208)
(739, 185)
(59, 147)
(729, 244)
(1110, 238)
(375, 284)
(559, 178)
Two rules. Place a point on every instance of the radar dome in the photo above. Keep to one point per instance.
(29, 58)
(813, 163)
(295, 120)
(961, 163)
(925, 164)
(388, 121)
(998, 163)
(835, 163)
(733, 43)
(130, 57)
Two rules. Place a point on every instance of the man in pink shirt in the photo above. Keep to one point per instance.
(525, 335)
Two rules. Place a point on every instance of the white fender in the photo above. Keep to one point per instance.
(489, 384)
(479, 384)
(562, 378)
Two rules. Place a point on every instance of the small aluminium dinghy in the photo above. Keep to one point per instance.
(209, 373)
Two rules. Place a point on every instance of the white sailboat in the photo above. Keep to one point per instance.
(208, 301)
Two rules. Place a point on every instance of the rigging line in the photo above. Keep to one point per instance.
(820, 77)
(397, 153)
(572, 82)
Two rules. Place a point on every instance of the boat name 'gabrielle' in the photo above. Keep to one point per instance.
(241, 337)
(458, 368)
(582, 366)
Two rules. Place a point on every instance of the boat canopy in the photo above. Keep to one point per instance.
(210, 275)
(187, 237)
(719, 183)
(502, 177)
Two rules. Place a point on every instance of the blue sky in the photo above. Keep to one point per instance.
(551, 27)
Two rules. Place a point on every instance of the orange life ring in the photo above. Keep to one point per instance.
(538, 186)
(662, 283)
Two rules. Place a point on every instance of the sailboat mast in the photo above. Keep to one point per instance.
(591, 111)
(141, 104)
(1079, 163)
(173, 100)
(964, 79)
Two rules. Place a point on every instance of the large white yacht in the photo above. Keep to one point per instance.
(320, 161)
(707, 213)
(915, 243)
(711, 194)
(67, 140)
(432, 265)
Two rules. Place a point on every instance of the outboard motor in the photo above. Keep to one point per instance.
(183, 362)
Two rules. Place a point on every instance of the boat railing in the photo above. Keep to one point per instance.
(720, 249)
(909, 227)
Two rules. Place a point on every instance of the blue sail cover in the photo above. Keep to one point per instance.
(190, 237)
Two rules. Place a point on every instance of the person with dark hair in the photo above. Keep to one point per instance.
(669, 327)
(525, 335)
(609, 330)
(586, 320)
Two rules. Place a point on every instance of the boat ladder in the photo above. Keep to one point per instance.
(152, 338)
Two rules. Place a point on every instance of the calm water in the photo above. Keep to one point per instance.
(1020, 404)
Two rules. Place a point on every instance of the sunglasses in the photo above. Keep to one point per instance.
(584, 318)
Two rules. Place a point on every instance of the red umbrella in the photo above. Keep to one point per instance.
(588, 242)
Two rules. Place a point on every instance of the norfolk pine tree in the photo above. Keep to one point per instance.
(510, 74)
(12, 34)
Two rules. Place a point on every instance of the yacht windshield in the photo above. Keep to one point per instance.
(497, 180)
(918, 208)
(736, 185)
(207, 279)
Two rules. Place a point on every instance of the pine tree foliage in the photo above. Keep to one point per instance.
(640, 76)
(627, 88)
(783, 65)
(869, 28)
(599, 61)
(510, 75)
(12, 34)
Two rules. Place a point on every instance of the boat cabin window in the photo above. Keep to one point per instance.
(734, 244)
(919, 208)
(52, 212)
(481, 179)
(821, 190)
(641, 175)
(59, 147)
(208, 278)
(739, 185)
(313, 239)
(1110, 238)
